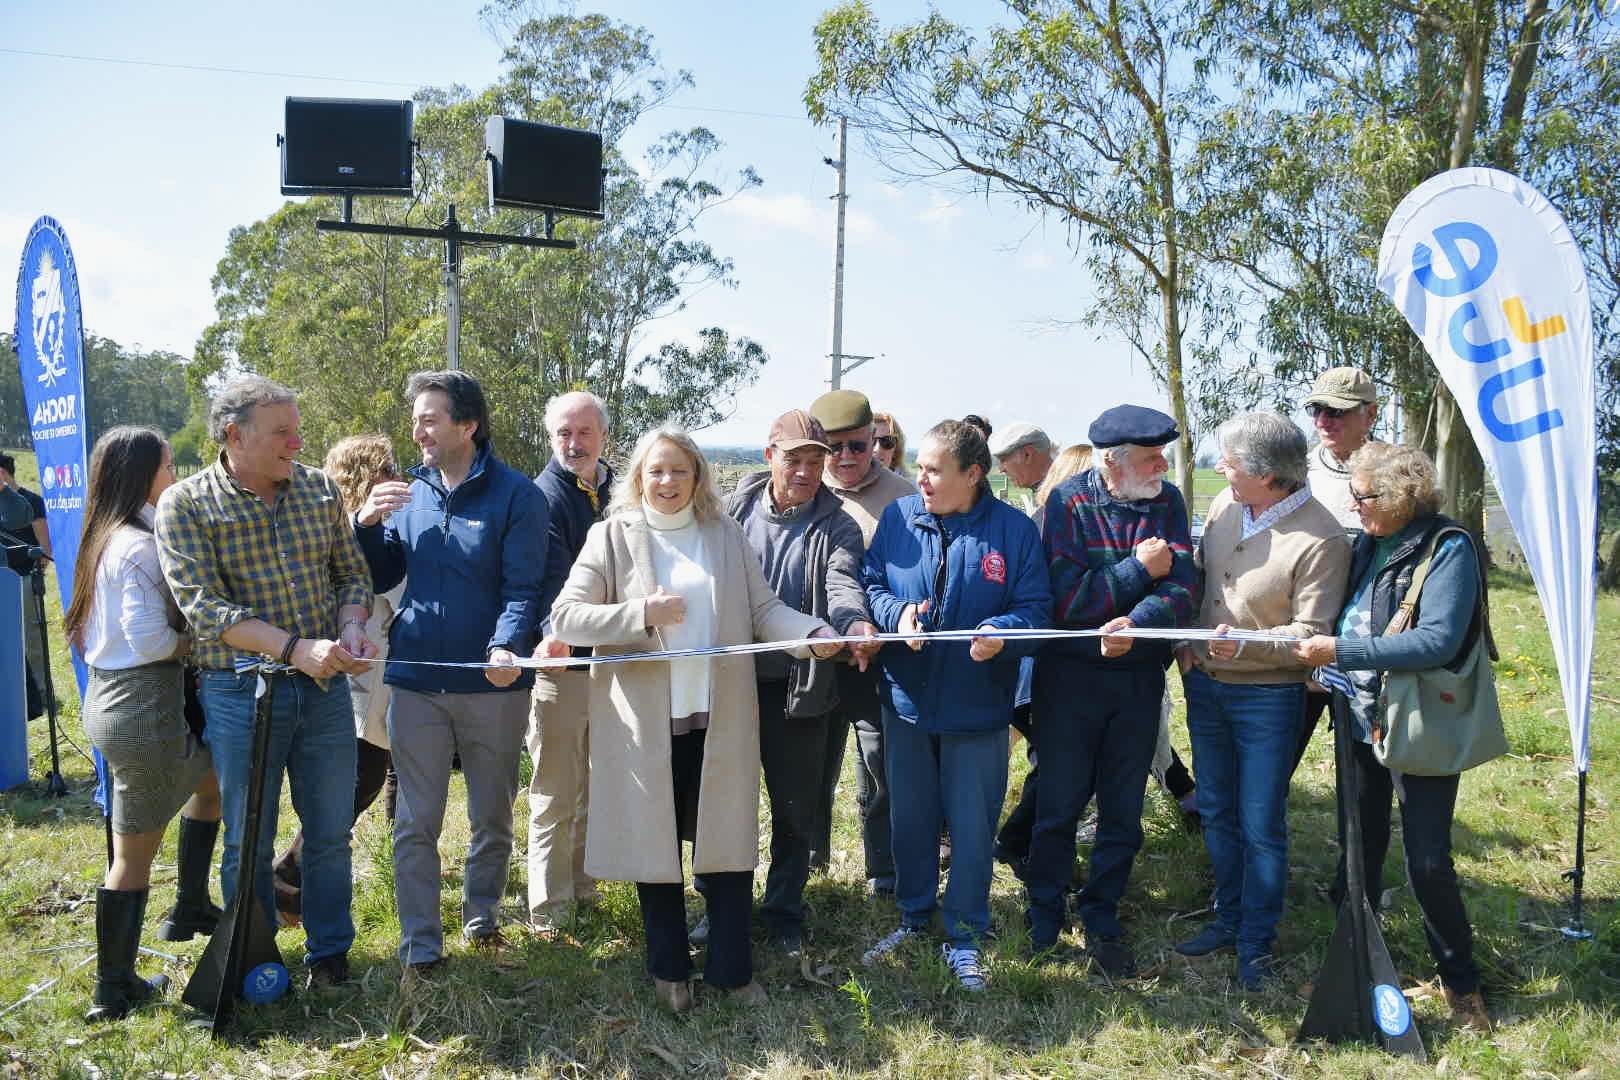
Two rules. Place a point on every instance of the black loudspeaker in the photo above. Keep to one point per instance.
(541, 167)
(346, 146)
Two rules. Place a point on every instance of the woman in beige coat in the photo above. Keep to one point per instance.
(675, 744)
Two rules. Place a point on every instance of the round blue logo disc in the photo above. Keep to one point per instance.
(1390, 1010)
(265, 983)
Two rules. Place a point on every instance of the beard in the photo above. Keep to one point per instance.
(1132, 488)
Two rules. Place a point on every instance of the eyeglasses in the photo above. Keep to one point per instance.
(856, 446)
(888, 442)
(1315, 409)
(1360, 498)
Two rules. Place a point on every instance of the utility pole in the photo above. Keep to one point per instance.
(842, 167)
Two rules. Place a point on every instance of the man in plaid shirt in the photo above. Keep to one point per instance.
(264, 565)
(1120, 555)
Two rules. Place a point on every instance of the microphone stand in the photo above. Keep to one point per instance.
(19, 551)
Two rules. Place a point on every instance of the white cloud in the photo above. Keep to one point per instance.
(1036, 261)
(941, 212)
(131, 293)
(787, 210)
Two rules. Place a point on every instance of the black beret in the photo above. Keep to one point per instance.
(1133, 424)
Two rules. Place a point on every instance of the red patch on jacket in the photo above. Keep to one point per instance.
(994, 568)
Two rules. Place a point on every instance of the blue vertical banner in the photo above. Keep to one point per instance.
(50, 354)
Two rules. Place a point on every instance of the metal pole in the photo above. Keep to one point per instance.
(1577, 877)
(452, 286)
(842, 198)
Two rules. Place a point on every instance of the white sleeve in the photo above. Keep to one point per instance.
(143, 612)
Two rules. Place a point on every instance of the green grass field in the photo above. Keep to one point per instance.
(581, 1006)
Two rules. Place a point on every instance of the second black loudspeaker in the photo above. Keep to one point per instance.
(542, 167)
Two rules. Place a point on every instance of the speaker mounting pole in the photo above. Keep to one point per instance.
(452, 287)
(453, 236)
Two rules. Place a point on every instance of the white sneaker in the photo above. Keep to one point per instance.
(888, 945)
(967, 966)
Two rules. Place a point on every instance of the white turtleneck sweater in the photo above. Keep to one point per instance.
(680, 565)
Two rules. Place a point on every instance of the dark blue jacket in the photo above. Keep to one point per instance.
(472, 560)
(572, 516)
(993, 573)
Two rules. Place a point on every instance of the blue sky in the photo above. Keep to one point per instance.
(149, 168)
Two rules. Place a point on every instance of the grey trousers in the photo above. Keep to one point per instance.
(427, 730)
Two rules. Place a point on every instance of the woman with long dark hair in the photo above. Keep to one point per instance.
(129, 631)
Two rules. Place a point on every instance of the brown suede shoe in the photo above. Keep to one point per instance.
(676, 996)
(1468, 1010)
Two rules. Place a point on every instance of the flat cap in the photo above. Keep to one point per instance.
(1015, 437)
(840, 410)
(1133, 424)
(796, 428)
(1343, 388)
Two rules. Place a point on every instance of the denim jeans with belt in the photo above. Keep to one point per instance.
(312, 740)
(1243, 740)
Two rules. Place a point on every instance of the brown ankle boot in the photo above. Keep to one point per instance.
(1468, 1010)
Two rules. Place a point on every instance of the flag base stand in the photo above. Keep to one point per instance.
(1357, 994)
(242, 959)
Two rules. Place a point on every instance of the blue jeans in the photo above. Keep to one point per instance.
(1095, 729)
(1243, 740)
(938, 779)
(312, 740)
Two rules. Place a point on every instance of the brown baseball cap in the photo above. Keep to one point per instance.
(1343, 388)
(797, 428)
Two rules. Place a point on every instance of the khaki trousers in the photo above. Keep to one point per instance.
(559, 794)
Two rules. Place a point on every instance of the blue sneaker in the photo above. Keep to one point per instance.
(1212, 938)
(1255, 973)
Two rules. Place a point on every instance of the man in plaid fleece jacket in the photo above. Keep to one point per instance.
(1120, 555)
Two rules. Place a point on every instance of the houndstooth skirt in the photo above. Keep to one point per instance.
(136, 718)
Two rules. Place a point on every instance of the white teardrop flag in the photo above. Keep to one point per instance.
(1487, 273)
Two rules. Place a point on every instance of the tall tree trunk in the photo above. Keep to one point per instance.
(1178, 393)
(1458, 462)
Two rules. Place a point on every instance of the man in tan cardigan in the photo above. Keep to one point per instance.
(1273, 559)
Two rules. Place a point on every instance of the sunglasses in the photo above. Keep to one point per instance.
(1314, 410)
(888, 442)
(856, 446)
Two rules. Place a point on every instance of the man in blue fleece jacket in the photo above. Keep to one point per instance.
(468, 534)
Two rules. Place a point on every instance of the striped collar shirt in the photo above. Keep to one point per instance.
(1274, 513)
(229, 557)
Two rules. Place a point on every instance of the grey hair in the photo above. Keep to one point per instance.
(1266, 444)
(559, 402)
(1114, 456)
(236, 400)
(1402, 478)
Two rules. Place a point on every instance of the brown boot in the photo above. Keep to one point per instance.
(677, 996)
(1468, 1010)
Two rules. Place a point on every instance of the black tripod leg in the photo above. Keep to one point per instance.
(1357, 994)
(55, 786)
(245, 940)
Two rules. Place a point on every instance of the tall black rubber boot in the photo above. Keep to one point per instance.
(193, 912)
(118, 938)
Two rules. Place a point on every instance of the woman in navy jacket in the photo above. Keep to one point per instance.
(953, 557)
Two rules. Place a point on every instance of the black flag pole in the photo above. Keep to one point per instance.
(242, 958)
(1576, 927)
(1357, 995)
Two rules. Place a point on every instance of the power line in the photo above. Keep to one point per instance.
(214, 69)
(208, 68)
